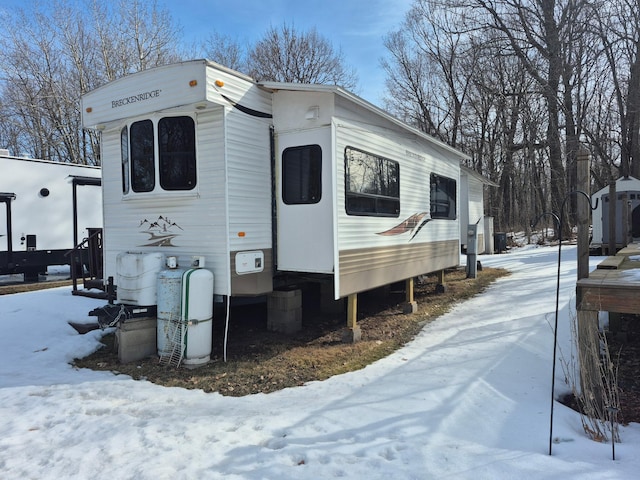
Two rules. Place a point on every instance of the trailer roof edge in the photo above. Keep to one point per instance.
(310, 87)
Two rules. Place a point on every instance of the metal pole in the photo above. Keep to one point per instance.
(612, 415)
(559, 221)
(555, 328)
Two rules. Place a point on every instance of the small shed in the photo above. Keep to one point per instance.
(626, 187)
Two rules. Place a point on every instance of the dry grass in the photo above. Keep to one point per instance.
(29, 287)
(263, 361)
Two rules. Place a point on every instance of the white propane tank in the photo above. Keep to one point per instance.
(136, 274)
(169, 326)
(197, 312)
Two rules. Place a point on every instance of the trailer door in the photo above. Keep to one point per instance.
(305, 202)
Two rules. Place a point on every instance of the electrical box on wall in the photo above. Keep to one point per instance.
(249, 262)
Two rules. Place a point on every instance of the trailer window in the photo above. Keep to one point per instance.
(302, 175)
(372, 184)
(177, 153)
(124, 154)
(142, 156)
(443, 197)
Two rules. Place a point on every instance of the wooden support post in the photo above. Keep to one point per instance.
(588, 334)
(409, 289)
(352, 333)
(584, 210)
(591, 382)
(352, 311)
(411, 306)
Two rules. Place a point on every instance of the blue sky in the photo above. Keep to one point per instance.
(357, 27)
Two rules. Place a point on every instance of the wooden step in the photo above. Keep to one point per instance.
(611, 263)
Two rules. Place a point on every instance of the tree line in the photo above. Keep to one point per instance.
(55, 52)
(518, 85)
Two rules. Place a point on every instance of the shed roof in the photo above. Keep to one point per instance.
(623, 184)
(478, 176)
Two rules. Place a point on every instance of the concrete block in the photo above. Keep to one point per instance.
(410, 307)
(137, 339)
(285, 299)
(284, 311)
(351, 335)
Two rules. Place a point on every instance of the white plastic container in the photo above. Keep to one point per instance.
(169, 309)
(197, 312)
(136, 277)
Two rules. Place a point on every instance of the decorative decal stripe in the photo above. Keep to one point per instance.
(247, 110)
(414, 223)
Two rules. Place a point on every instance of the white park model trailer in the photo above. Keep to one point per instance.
(270, 183)
(46, 209)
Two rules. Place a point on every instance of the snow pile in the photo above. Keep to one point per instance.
(469, 398)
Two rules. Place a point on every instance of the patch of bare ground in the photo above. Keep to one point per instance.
(623, 341)
(624, 348)
(262, 361)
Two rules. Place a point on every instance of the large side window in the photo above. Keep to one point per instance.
(302, 175)
(443, 197)
(143, 177)
(177, 153)
(124, 155)
(372, 184)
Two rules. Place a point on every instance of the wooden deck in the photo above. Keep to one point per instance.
(614, 286)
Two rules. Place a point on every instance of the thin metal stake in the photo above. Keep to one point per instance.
(559, 221)
(612, 414)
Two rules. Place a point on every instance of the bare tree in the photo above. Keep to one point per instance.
(411, 86)
(433, 64)
(504, 136)
(532, 28)
(618, 27)
(452, 79)
(32, 75)
(486, 76)
(149, 33)
(226, 51)
(286, 55)
(57, 52)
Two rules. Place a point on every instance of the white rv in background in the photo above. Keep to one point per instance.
(46, 208)
(270, 183)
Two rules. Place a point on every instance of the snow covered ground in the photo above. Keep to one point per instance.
(468, 398)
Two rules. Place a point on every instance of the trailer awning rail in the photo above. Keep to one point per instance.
(7, 197)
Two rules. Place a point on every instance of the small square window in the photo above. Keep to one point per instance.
(302, 175)
(443, 197)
